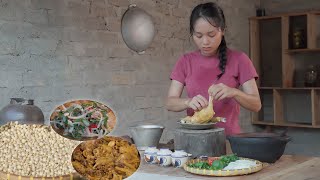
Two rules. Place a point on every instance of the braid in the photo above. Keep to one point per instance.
(222, 56)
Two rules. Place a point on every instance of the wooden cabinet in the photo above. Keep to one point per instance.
(282, 47)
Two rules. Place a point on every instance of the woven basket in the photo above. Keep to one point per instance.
(235, 172)
(6, 176)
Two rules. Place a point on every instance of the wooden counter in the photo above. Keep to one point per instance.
(287, 167)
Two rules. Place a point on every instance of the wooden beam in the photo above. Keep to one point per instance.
(311, 31)
(255, 45)
(287, 64)
(284, 14)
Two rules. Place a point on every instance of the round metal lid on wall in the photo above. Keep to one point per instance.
(137, 29)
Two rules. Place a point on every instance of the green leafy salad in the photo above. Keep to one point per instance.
(215, 163)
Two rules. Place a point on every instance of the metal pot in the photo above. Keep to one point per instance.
(137, 29)
(265, 147)
(145, 136)
(21, 110)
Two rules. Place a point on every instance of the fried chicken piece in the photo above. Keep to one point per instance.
(79, 167)
(203, 116)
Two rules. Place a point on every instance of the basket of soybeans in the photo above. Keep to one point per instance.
(35, 152)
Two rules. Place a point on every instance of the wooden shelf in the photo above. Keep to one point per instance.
(270, 88)
(284, 14)
(289, 88)
(291, 51)
(263, 123)
(264, 17)
(280, 68)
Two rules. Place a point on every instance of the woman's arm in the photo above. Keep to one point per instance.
(249, 98)
(176, 103)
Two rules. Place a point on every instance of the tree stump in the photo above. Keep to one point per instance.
(209, 142)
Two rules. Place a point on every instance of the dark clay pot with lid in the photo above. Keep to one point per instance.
(265, 147)
(22, 110)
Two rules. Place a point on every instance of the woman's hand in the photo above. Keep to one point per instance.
(197, 103)
(221, 91)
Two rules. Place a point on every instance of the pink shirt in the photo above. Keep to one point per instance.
(198, 73)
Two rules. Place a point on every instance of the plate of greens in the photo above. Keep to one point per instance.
(83, 120)
(228, 165)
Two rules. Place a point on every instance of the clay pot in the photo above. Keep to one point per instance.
(265, 147)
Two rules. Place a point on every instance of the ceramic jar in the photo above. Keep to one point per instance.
(164, 157)
(150, 155)
(179, 158)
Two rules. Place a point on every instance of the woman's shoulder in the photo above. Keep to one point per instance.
(190, 54)
(237, 55)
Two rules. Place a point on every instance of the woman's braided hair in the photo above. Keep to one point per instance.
(215, 16)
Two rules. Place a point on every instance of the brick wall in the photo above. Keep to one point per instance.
(56, 50)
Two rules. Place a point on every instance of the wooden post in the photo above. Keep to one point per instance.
(255, 45)
(311, 31)
(287, 63)
(278, 108)
(315, 107)
(255, 55)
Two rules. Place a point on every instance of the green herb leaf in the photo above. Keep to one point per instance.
(86, 122)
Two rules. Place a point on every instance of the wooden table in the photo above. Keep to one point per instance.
(287, 167)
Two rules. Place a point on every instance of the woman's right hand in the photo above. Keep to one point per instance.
(197, 103)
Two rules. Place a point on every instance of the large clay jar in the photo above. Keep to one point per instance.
(23, 111)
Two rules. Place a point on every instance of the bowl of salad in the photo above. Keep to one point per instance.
(83, 120)
(226, 165)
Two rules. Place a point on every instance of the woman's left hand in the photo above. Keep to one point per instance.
(221, 91)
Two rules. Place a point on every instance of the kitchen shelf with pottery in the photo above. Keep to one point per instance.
(285, 51)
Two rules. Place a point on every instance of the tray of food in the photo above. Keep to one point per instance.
(35, 152)
(200, 126)
(106, 158)
(196, 126)
(83, 119)
(228, 165)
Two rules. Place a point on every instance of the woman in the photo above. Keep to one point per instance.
(213, 70)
